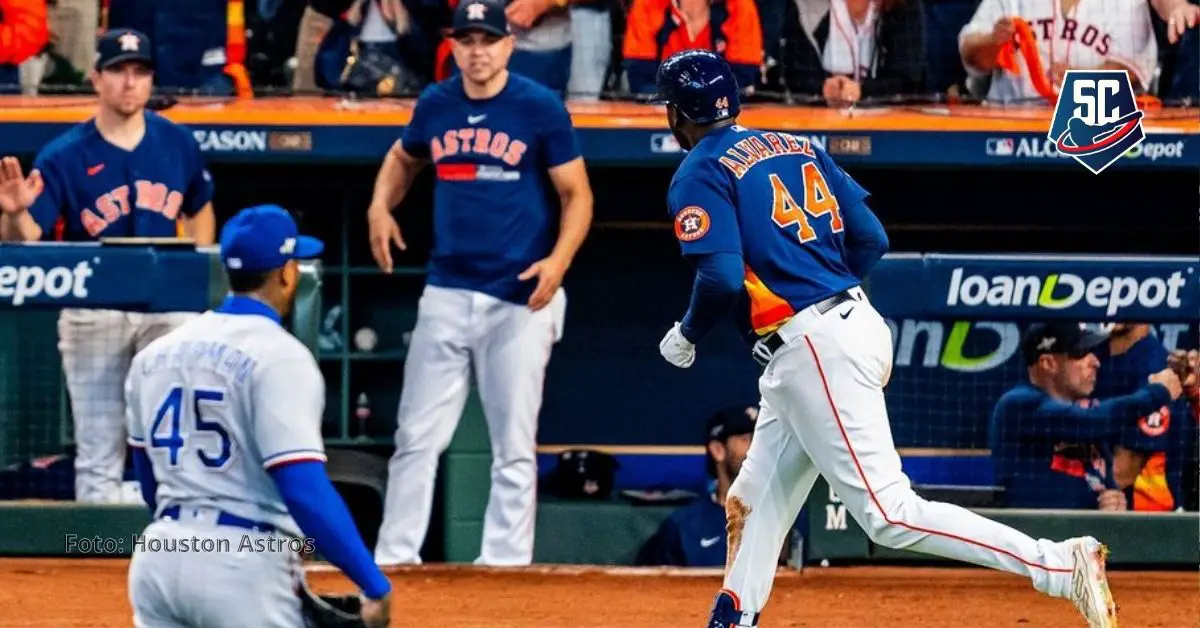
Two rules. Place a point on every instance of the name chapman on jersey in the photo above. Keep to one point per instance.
(75, 544)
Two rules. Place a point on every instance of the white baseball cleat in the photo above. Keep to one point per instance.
(1089, 583)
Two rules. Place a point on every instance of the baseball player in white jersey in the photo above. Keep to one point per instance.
(224, 414)
(501, 146)
(1071, 35)
(127, 172)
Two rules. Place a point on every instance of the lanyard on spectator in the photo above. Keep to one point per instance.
(854, 35)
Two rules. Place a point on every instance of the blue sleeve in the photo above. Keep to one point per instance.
(1152, 432)
(866, 241)
(640, 74)
(559, 142)
(322, 516)
(718, 284)
(144, 471)
(416, 139)
(1103, 419)
(704, 215)
(47, 207)
(200, 183)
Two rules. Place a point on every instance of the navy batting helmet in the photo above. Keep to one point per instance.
(700, 85)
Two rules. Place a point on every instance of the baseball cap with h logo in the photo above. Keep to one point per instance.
(263, 238)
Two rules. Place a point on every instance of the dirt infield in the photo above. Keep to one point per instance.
(65, 594)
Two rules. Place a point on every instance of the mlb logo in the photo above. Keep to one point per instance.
(1001, 146)
(1096, 119)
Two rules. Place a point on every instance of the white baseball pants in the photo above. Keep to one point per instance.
(195, 574)
(508, 346)
(823, 413)
(96, 348)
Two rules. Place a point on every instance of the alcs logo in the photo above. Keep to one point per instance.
(1096, 119)
(24, 282)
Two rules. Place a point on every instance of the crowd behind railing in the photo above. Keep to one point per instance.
(826, 52)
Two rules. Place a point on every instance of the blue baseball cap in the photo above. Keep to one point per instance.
(121, 45)
(263, 238)
(480, 15)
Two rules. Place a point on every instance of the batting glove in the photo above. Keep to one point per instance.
(676, 349)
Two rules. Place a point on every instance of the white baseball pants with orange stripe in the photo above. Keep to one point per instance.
(823, 413)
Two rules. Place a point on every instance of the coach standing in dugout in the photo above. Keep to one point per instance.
(1050, 439)
(126, 172)
(493, 302)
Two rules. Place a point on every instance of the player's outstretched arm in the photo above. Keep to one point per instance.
(1060, 419)
(322, 515)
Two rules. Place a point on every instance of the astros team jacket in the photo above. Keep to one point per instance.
(655, 30)
(23, 34)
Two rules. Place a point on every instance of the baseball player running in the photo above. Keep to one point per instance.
(772, 212)
(225, 420)
(126, 172)
(492, 300)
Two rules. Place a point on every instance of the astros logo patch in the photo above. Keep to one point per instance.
(1156, 423)
(691, 223)
(1096, 119)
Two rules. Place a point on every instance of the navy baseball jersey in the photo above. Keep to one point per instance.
(100, 190)
(1167, 434)
(1050, 453)
(787, 218)
(493, 201)
(691, 536)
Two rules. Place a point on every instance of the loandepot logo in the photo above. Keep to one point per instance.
(1059, 291)
(20, 283)
(974, 347)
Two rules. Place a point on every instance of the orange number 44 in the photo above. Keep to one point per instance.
(818, 201)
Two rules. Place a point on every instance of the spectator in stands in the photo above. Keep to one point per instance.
(199, 44)
(24, 32)
(1149, 456)
(73, 24)
(847, 50)
(386, 55)
(318, 19)
(1050, 438)
(1182, 18)
(591, 50)
(1068, 34)
(694, 535)
(656, 29)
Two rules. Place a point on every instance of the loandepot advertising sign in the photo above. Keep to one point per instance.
(1059, 291)
(1099, 289)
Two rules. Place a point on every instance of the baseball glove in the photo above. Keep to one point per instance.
(330, 611)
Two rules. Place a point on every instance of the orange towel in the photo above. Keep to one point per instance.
(1026, 43)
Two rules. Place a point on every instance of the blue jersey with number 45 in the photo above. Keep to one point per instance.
(779, 202)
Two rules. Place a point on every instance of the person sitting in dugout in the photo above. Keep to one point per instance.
(694, 535)
(1050, 439)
